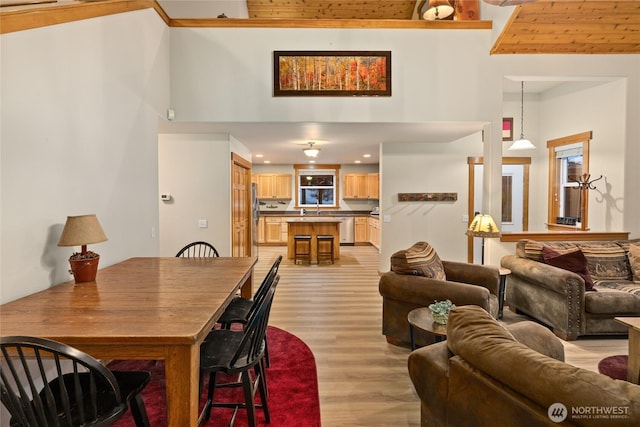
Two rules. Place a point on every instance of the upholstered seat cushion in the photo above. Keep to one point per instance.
(613, 298)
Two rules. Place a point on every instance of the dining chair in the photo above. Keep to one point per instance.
(48, 383)
(198, 250)
(239, 352)
(239, 309)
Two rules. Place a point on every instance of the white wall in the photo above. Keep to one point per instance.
(80, 108)
(225, 74)
(196, 170)
(425, 168)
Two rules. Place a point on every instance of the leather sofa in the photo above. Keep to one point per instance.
(487, 375)
(464, 284)
(558, 298)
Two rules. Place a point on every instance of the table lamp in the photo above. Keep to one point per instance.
(483, 226)
(80, 231)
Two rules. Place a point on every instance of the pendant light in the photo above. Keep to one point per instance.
(438, 9)
(522, 143)
(311, 152)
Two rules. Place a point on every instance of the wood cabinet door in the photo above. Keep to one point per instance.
(361, 232)
(373, 186)
(354, 186)
(282, 186)
(265, 186)
(374, 232)
(273, 230)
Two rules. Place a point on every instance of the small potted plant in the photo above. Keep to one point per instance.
(440, 311)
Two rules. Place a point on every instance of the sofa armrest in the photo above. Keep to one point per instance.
(544, 275)
(429, 373)
(537, 338)
(422, 291)
(551, 295)
(474, 274)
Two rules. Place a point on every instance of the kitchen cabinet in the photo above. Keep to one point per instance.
(275, 229)
(374, 232)
(361, 227)
(361, 186)
(355, 186)
(273, 185)
(373, 186)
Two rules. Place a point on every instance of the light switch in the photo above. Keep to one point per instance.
(386, 218)
(203, 223)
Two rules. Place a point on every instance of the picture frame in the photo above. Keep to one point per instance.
(507, 128)
(332, 73)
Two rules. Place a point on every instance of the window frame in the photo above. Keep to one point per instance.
(331, 169)
(554, 181)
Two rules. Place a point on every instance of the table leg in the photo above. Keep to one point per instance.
(182, 375)
(246, 290)
(633, 369)
(503, 280)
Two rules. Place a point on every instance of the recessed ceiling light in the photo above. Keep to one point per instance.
(356, 161)
(366, 155)
(267, 161)
(259, 155)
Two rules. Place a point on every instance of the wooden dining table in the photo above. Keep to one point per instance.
(140, 309)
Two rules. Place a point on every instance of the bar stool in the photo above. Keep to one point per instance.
(300, 242)
(328, 252)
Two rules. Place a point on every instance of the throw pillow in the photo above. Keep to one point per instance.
(575, 262)
(634, 261)
(420, 260)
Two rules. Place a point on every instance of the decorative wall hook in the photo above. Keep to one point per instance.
(586, 183)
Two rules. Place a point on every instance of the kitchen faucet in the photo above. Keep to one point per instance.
(318, 206)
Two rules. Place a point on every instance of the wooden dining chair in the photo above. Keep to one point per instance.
(239, 309)
(239, 352)
(48, 383)
(198, 250)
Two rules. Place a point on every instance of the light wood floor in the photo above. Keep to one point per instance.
(337, 310)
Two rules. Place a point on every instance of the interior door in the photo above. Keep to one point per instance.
(241, 207)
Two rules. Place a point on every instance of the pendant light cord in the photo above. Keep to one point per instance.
(522, 109)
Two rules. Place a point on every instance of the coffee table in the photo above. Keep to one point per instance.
(422, 319)
(633, 370)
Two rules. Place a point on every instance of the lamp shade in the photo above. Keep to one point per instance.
(82, 230)
(438, 9)
(311, 152)
(483, 226)
(522, 144)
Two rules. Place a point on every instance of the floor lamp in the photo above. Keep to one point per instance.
(483, 226)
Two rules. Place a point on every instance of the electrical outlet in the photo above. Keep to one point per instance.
(465, 218)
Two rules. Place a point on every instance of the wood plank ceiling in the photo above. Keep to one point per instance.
(331, 9)
(536, 26)
(572, 26)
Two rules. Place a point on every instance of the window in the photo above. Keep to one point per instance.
(568, 162)
(316, 187)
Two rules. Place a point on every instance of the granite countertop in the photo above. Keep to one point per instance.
(314, 219)
(312, 213)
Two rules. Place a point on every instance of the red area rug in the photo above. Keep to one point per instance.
(292, 380)
(614, 367)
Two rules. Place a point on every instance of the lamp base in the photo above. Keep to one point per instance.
(84, 270)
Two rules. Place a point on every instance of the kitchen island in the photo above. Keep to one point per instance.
(313, 227)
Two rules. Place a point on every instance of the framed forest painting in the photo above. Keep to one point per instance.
(332, 73)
